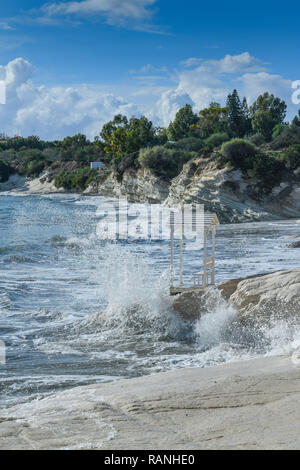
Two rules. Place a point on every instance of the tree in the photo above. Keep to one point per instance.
(212, 120)
(239, 122)
(114, 134)
(296, 120)
(266, 112)
(181, 126)
(122, 137)
(246, 117)
(70, 146)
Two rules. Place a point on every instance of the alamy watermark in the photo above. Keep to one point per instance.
(2, 92)
(151, 222)
(2, 353)
(296, 94)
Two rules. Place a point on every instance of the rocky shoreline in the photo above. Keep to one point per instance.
(253, 404)
(255, 299)
(234, 196)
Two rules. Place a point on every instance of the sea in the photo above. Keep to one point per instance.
(77, 308)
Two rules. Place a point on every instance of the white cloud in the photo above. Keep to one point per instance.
(212, 80)
(110, 9)
(54, 112)
(168, 105)
(254, 84)
(5, 26)
(191, 62)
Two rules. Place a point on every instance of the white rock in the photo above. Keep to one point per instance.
(244, 405)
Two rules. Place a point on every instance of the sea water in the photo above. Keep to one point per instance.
(75, 309)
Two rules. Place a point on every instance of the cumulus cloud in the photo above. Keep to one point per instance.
(110, 9)
(54, 112)
(169, 103)
(203, 81)
(254, 84)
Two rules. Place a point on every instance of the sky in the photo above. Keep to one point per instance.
(70, 66)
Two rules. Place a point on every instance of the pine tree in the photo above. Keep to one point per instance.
(181, 126)
(246, 116)
(238, 115)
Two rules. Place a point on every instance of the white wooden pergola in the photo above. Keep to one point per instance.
(206, 224)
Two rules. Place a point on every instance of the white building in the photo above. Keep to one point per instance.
(97, 166)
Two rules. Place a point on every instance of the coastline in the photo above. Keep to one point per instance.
(252, 404)
(212, 190)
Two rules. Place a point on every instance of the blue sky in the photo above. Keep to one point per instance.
(69, 66)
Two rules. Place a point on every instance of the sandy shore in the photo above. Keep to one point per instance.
(245, 405)
(20, 184)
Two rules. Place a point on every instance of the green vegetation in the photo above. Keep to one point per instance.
(163, 161)
(291, 157)
(245, 156)
(267, 112)
(5, 172)
(217, 139)
(180, 128)
(239, 119)
(255, 139)
(78, 179)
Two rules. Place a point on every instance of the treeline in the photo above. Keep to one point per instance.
(254, 138)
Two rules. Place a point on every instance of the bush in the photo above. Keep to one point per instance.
(257, 139)
(190, 144)
(245, 156)
(239, 153)
(278, 130)
(5, 172)
(217, 139)
(268, 169)
(289, 136)
(34, 168)
(291, 157)
(163, 161)
(79, 179)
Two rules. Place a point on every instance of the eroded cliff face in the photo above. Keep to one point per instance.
(232, 195)
(137, 186)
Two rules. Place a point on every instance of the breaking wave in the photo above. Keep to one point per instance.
(94, 311)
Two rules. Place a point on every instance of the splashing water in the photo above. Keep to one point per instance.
(75, 310)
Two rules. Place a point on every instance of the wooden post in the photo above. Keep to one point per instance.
(213, 255)
(181, 255)
(204, 258)
(172, 255)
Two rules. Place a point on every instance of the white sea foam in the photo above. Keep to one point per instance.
(102, 309)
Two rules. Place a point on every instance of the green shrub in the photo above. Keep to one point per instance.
(34, 168)
(289, 136)
(79, 179)
(278, 130)
(163, 161)
(257, 139)
(190, 144)
(217, 139)
(5, 172)
(245, 156)
(239, 153)
(291, 157)
(268, 169)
